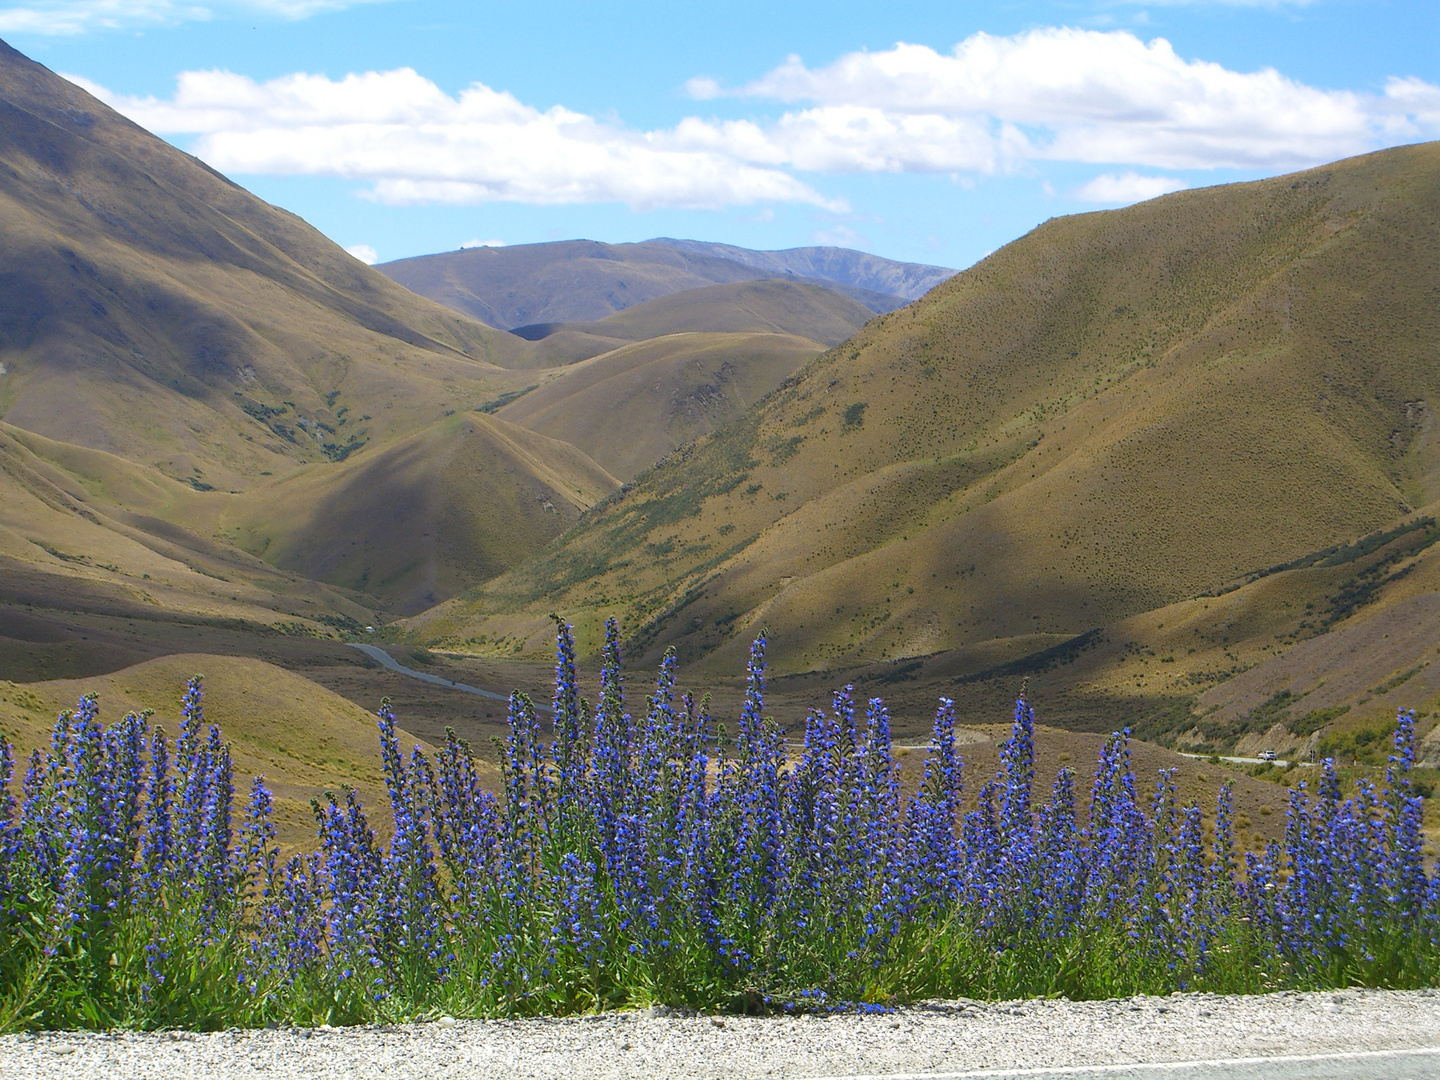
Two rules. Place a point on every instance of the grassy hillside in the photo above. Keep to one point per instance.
(151, 308)
(756, 307)
(629, 407)
(425, 516)
(302, 738)
(657, 375)
(1112, 415)
(83, 529)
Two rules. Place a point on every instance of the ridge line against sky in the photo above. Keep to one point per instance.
(841, 150)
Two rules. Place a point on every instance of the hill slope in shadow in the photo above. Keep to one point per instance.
(150, 307)
(423, 517)
(771, 306)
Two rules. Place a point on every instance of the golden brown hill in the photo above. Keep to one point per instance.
(698, 359)
(151, 308)
(751, 307)
(629, 407)
(302, 738)
(85, 530)
(423, 517)
(1115, 413)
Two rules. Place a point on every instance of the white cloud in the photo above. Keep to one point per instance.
(991, 105)
(859, 138)
(53, 17)
(365, 253)
(1414, 107)
(1126, 188)
(481, 243)
(413, 143)
(1064, 94)
(702, 88)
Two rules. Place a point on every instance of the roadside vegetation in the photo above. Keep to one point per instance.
(659, 857)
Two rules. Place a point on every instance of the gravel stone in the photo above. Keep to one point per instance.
(938, 1036)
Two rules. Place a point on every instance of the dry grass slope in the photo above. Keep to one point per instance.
(1108, 417)
(629, 407)
(151, 308)
(425, 516)
(83, 529)
(302, 738)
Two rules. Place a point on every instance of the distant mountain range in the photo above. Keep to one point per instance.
(842, 266)
(584, 280)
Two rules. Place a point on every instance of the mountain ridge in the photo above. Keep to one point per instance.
(141, 282)
(842, 266)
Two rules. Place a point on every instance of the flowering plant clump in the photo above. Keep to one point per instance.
(653, 857)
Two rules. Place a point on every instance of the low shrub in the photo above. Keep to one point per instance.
(657, 857)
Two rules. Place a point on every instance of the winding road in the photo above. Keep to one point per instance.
(376, 653)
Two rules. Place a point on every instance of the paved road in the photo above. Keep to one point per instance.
(1367, 1065)
(1279, 763)
(375, 652)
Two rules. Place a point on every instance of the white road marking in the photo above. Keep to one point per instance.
(1358, 1056)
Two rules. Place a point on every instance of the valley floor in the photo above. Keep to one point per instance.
(1363, 1034)
(135, 665)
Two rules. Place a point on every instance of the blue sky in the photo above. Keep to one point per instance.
(932, 132)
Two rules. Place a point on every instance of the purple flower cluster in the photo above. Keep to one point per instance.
(653, 856)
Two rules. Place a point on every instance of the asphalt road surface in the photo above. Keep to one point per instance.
(1369, 1065)
(390, 663)
(1279, 763)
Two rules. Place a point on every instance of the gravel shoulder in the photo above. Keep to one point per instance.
(935, 1037)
